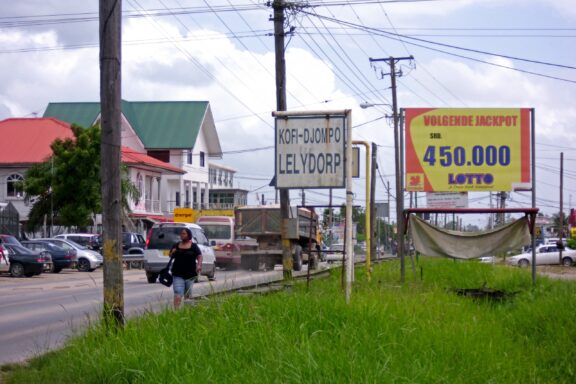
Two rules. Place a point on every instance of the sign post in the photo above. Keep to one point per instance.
(314, 150)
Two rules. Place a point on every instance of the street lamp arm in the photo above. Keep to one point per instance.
(366, 104)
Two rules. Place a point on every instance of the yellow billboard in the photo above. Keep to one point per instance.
(190, 215)
(467, 149)
(184, 215)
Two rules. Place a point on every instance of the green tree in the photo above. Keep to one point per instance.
(68, 184)
(358, 217)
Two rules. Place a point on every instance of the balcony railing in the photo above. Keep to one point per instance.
(170, 205)
(152, 206)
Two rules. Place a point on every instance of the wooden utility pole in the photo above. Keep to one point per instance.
(391, 61)
(278, 6)
(110, 104)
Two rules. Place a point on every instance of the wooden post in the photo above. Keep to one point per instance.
(278, 6)
(110, 104)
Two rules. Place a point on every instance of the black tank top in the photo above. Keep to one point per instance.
(184, 264)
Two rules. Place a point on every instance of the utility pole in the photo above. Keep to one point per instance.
(110, 104)
(278, 6)
(391, 61)
(372, 205)
(501, 215)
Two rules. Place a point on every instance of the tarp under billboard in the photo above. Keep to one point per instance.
(467, 149)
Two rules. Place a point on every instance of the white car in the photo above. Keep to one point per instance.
(545, 255)
(88, 260)
(488, 260)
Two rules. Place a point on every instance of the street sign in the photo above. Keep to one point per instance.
(183, 215)
(310, 150)
(447, 199)
(382, 210)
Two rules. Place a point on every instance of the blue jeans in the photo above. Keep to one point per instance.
(182, 287)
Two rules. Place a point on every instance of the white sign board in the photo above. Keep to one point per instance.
(447, 199)
(310, 151)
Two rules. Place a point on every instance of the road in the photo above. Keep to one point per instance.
(40, 313)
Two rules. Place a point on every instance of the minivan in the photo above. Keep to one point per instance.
(162, 237)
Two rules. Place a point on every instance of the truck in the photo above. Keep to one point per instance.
(227, 246)
(264, 224)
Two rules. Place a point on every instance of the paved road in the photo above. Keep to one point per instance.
(40, 313)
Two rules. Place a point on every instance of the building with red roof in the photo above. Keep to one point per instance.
(26, 141)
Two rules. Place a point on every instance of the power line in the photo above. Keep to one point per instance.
(392, 36)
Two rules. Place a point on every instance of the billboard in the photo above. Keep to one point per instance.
(467, 149)
(310, 150)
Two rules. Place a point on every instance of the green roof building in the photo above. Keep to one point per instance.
(181, 133)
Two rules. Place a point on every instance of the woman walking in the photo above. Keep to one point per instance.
(186, 266)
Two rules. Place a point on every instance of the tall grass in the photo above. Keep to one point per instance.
(417, 332)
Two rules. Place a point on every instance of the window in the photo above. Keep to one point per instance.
(13, 190)
(160, 155)
(201, 159)
(189, 156)
(140, 186)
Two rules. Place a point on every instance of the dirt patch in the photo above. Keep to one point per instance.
(557, 272)
(484, 293)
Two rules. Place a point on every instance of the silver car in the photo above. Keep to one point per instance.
(88, 260)
(545, 255)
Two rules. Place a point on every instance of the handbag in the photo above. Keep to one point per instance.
(165, 277)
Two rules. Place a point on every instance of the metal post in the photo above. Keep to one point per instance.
(533, 158)
(373, 221)
(349, 194)
(561, 229)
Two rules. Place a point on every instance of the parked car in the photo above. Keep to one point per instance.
(89, 240)
(545, 254)
(61, 257)
(133, 243)
(21, 261)
(488, 259)
(162, 237)
(8, 239)
(88, 260)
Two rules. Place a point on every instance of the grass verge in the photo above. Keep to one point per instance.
(418, 332)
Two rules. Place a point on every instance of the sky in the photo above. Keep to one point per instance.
(467, 53)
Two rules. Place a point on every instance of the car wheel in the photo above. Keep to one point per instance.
(567, 262)
(84, 265)
(16, 270)
(151, 277)
(523, 263)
